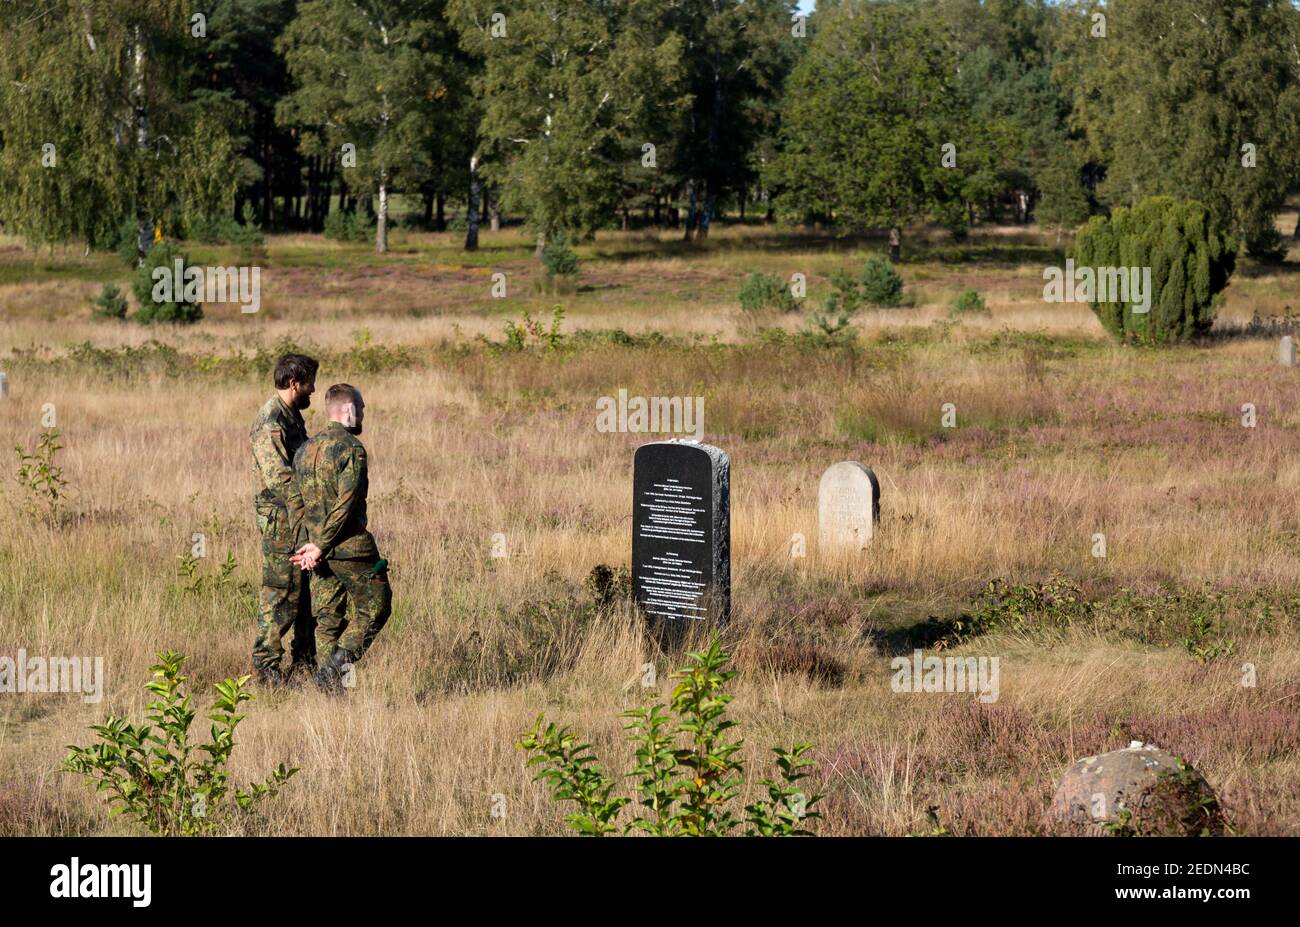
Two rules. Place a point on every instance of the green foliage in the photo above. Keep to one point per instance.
(559, 262)
(558, 257)
(1063, 203)
(157, 775)
(1158, 114)
(1198, 642)
(126, 239)
(1001, 606)
(531, 334)
(352, 225)
(763, 292)
(1191, 263)
(568, 100)
(368, 357)
(867, 112)
(1267, 245)
(115, 88)
(41, 478)
(687, 766)
(224, 229)
(831, 324)
(377, 79)
(1121, 826)
(573, 775)
(176, 309)
(969, 302)
(879, 284)
(109, 304)
(196, 581)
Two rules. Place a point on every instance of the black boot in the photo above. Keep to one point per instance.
(329, 678)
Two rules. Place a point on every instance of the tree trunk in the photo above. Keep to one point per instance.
(143, 220)
(471, 212)
(895, 243)
(440, 208)
(494, 210)
(541, 244)
(426, 205)
(706, 214)
(690, 210)
(381, 223)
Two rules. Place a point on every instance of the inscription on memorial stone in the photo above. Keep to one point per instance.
(681, 530)
(848, 504)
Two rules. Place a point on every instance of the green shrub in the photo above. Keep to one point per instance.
(348, 226)
(1267, 245)
(225, 230)
(176, 309)
(42, 480)
(109, 304)
(761, 292)
(127, 241)
(558, 257)
(880, 284)
(531, 333)
(1190, 262)
(969, 302)
(686, 766)
(877, 285)
(154, 773)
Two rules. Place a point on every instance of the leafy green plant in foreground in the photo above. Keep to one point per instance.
(687, 768)
(42, 478)
(157, 775)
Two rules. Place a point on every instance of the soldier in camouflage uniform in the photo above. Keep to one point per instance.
(285, 599)
(340, 552)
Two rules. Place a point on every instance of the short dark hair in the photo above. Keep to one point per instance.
(298, 367)
(340, 393)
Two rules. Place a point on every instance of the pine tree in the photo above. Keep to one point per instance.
(1190, 261)
(1193, 99)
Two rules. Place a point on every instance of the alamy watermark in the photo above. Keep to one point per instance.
(640, 414)
(919, 673)
(1098, 285)
(194, 284)
(76, 879)
(24, 674)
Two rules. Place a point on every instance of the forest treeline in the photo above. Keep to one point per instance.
(130, 118)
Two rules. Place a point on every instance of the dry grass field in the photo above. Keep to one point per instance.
(1060, 435)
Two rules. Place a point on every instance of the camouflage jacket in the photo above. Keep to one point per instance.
(277, 435)
(332, 478)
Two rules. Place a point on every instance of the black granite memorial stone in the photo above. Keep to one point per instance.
(681, 531)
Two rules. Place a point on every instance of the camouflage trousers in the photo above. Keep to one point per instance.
(363, 584)
(285, 603)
